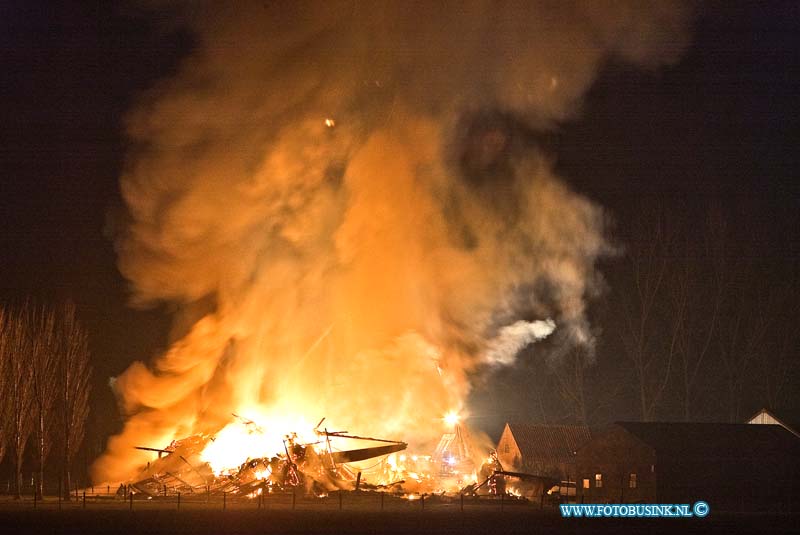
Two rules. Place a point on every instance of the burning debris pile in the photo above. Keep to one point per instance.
(353, 211)
(192, 466)
(316, 467)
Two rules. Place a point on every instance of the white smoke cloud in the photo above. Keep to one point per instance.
(512, 339)
(404, 233)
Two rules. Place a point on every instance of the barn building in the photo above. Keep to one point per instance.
(543, 450)
(733, 467)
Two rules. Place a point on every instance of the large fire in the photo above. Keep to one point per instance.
(362, 268)
(451, 419)
(242, 440)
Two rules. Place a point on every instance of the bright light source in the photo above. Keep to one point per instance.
(451, 418)
(330, 123)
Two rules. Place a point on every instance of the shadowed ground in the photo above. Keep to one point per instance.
(154, 517)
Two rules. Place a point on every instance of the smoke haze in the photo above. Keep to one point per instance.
(352, 206)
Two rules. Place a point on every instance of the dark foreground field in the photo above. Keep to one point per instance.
(161, 518)
(353, 522)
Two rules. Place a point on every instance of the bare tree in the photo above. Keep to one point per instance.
(15, 347)
(777, 363)
(740, 341)
(3, 383)
(41, 330)
(695, 308)
(569, 373)
(73, 388)
(647, 343)
(747, 301)
(694, 337)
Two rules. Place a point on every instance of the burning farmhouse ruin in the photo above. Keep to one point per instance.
(355, 215)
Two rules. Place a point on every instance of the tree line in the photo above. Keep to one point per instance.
(44, 390)
(699, 323)
(696, 322)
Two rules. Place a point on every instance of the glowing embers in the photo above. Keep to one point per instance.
(244, 439)
(249, 459)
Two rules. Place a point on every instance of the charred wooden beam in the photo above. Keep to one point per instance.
(362, 454)
(158, 450)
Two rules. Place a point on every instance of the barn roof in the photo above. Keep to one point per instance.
(765, 416)
(713, 440)
(556, 442)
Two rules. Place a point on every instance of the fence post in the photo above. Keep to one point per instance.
(179, 500)
(382, 495)
(130, 500)
(462, 502)
(108, 489)
(84, 499)
(340, 500)
(422, 501)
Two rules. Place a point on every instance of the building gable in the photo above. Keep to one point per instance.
(508, 452)
(765, 417)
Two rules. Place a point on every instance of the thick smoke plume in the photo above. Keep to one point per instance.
(348, 201)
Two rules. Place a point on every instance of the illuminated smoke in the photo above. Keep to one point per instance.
(511, 339)
(347, 201)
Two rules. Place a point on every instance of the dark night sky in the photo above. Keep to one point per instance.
(715, 127)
